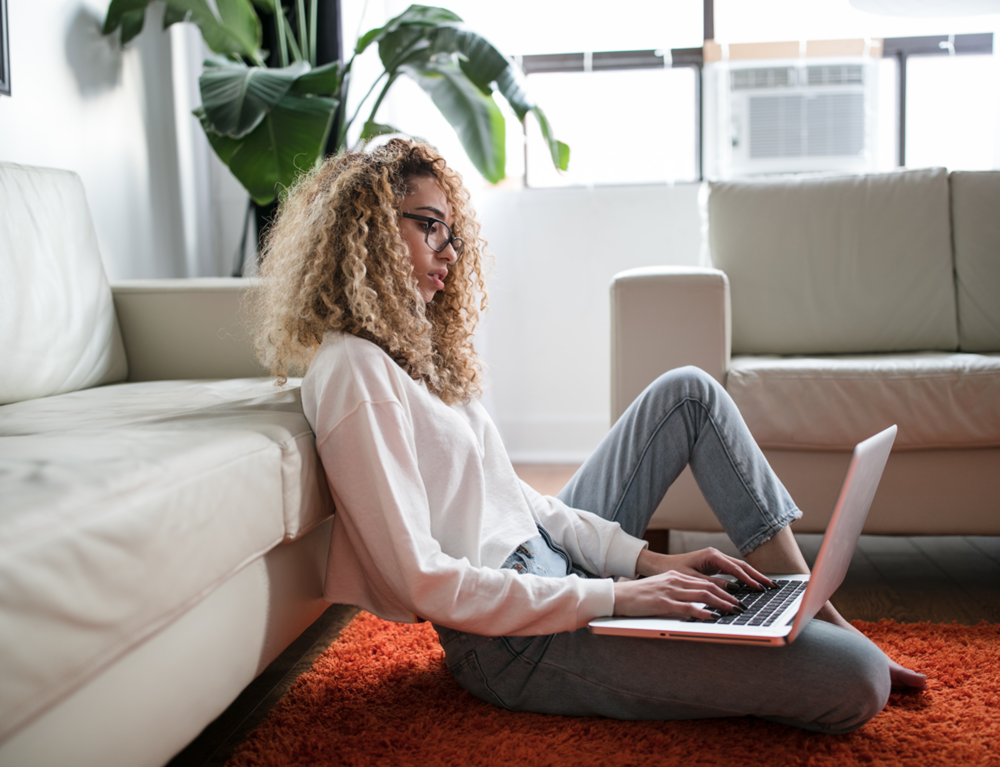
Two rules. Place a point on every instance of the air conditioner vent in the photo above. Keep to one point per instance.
(762, 78)
(821, 125)
(835, 125)
(776, 126)
(835, 74)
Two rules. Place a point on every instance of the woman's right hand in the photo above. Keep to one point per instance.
(673, 593)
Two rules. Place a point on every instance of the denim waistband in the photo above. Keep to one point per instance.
(540, 556)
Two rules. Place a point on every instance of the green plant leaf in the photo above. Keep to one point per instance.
(323, 80)
(117, 10)
(420, 15)
(288, 141)
(557, 149)
(173, 16)
(265, 5)
(235, 31)
(406, 45)
(132, 25)
(512, 87)
(239, 17)
(373, 130)
(223, 145)
(236, 97)
(474, 116)
(479, 58)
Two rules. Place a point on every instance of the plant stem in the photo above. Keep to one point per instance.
(385, 90)
(342, 138)
(313, 5)
(303, 38)
(279, 19)
(296, 52)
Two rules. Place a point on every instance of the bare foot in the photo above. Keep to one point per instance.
(904, 678)
(901, 677)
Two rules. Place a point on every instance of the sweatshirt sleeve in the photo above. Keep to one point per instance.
(371, 463)
(596, 544)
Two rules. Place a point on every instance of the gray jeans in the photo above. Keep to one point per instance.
(829, 680)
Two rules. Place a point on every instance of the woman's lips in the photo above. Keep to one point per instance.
(437, 280)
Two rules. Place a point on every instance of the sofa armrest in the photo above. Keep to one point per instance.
(186, 328)
(662, 318)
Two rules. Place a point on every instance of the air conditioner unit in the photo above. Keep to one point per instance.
(790, 116)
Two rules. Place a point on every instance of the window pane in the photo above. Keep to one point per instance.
(624, 126)
(951, 111)
(752, 21)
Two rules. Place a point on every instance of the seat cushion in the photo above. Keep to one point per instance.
(124, 505)
(938, 400)
(975, 200)
(837, 265)
(58, 330)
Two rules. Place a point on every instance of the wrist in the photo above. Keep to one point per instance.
(652, 563)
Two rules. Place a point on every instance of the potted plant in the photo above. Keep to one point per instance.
(269, 124)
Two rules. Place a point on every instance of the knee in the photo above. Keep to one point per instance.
(863, 688)
(688, 380)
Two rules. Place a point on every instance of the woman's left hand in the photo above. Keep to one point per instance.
(703, 563)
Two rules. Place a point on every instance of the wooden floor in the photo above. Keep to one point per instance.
(936, 579)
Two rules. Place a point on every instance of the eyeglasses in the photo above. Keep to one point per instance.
(437, 234)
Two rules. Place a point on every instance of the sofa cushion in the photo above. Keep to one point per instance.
(939, 400)
(125, 505)
(843, 264)
(58, 330)
(975, 204)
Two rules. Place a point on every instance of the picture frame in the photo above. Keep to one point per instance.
(4, 51)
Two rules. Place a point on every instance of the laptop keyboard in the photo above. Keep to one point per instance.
(762, 607)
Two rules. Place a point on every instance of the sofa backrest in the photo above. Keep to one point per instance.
(975, 221)
(836, 264)
(58, 330)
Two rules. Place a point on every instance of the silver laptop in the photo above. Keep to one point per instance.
(777, 616)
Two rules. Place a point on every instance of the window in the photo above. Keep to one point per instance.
(626, 124)
(951, 111)
(929, 99)
(609, 84)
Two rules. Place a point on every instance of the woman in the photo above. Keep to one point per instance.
(373, 279)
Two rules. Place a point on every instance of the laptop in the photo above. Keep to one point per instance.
(778, 616)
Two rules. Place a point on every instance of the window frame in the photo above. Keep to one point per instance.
(901, 48)
(4, 51)
(603, 61)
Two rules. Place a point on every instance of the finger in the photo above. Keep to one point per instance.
(696, 582)
(711, 597)
(744, 572)
(688, 609)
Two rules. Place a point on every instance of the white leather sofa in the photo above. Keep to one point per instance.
(830, 308)
(164, 521)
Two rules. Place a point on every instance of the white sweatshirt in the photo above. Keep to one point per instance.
(429, 507)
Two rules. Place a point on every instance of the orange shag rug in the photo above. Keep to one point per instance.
(381, 695)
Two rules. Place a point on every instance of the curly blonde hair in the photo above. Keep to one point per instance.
(335, 260)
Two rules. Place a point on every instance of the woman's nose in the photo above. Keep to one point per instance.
(448, 254)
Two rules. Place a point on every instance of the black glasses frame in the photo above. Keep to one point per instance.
(457, 243)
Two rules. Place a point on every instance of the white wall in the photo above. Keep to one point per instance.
(546, 338)
(79, 102)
